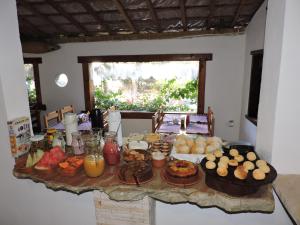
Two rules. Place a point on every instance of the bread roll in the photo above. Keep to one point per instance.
(265, 168)
(233, 152)
(239, 158)
(233, 162)
(210, 165)
(222, 171)
(249, 165)
(190, 142)
(260, 163)
(209, 148)
(183, 149)
(210, 157)
(197, 150)
(258, 174)
(222, 164)
(251, 156)
(224, 159)
(241, 173)
(218, 153)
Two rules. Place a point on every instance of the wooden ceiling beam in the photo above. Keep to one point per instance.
(91, 11)
(150, 36)
(237, 13)
(212, 9)
(183, 14)
(123, 12)
(43, 16)
(59, 9)
(154, 15)
(139, 10)
(33, 27)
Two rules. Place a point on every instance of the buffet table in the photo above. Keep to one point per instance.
(157, 188)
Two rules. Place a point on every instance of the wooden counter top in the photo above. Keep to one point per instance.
(157, 188)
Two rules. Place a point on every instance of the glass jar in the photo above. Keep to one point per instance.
(58, 140)
(37, 142)
(93, 161)
(111, 150)
(77, 143)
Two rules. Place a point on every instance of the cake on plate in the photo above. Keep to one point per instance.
(136, 172)
(181, 172)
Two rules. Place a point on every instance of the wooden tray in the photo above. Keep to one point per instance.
(234, 186)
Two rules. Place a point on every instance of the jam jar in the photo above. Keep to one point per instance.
(111, 150)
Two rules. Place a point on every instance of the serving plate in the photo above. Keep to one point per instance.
(232, 185)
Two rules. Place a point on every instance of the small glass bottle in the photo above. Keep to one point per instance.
(77, 143)
(111, 150)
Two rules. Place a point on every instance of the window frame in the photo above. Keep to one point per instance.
(88, 85)
(253, 86)
(35, 61)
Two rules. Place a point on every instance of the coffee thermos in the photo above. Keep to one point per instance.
(96, 116)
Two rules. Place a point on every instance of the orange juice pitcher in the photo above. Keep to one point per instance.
(93, 161)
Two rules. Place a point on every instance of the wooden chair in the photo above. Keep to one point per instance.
(211, 121)
(157, 119)
(51, 119)
(66, 109)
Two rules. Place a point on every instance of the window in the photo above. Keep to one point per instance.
(146, 86)
(145, 82)
(31, 67)
(255, 81)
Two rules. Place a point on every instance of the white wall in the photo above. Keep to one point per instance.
(270, 77)
(12, 73)
(24, 202)
(285, 125)
(224, 73)
(255, 35)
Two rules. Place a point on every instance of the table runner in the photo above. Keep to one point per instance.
(82, 126)
(170, 117)
(198, 118)
(196, 128)
(169, 128)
